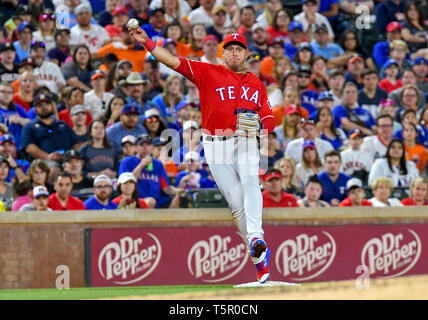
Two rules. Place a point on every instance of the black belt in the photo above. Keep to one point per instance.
(218, 138)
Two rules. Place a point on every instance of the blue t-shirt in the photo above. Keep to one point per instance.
(331, 50)
(381, 53)
(20, 53)
(23, 164)
(340, 112)
(309, 100)
(93, 204)
(290, 50)
(208, 183)
(14, 128)
(153, 34)
(150, 182)
(333, 190)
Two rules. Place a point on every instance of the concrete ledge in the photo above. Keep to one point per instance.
(215, 215)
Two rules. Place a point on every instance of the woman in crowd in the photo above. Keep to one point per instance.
(418, 193)
(327, 130)
(174, 31)
(289, 129)
(47, 28)
(351, 45)
(290, 97)
(6, 190)
(25, 95)
(171, 96)
(129, 197)
(394, 166)
(414, 151)
(310, 164)
(22, 190)
(38, 173)
(409, 116)
(98, 153)
(78, 72)
(409, 99)
(414, 30)
(197, 36)
(287, 166)
(74, 97)
(319, 78)
(281, 67)
(382, 188)
(268, 14)
(153, 123)
(113, 110)
(279, 26)
(304, 55)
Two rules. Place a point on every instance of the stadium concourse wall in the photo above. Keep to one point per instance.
(34, 244)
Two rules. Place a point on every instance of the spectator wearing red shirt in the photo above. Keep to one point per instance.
(418, 193)
(129, 195)
(279, 27)
(355, 191)
(391, 81)
(273, 196)
(62, 200)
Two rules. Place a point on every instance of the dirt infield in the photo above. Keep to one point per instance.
(404, 288)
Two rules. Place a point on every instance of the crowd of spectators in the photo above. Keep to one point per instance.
(89, 120)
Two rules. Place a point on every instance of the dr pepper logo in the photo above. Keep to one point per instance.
(306, 256)
(129, 260)
(392, 254)
(217, 258)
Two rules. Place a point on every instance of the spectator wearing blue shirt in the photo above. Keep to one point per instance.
(381, 49)
(23, 44)
(128, 125)
(191, 176)
(295, 37)
(260, 40)
(333, 181)
(18, 167)
(152, 179)
(12, 116)
(103, 189)
(156, 26)
(350, 115)
(321, 45)
(388, 11)
(308, 97)
(45, 137)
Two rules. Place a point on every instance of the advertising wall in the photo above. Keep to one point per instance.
(217, 255)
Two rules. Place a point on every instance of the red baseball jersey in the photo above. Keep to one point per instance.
(221, 91)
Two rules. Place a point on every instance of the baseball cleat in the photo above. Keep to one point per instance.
(263, 267)
(257, 246)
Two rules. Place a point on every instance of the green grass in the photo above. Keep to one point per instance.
(96, 293)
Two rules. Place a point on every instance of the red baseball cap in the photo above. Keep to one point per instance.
(210, 37)
(392, 26)
(120, 9)
(235, 38)
(272, 175)
(292, 109)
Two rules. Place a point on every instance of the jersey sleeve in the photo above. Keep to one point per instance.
(192, 70)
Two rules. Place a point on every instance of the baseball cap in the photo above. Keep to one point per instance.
(159, 141)
(27, 62)
(41, 97)
(71, 154)
(97, 73)
(191, 155)
(151, 113)
(420, 60)
(168, 41)
(7, 46)
(273, 174)
(7, 137)
(154, 10)
(24, 25)
(304, 68)
(125, 177)
(120, 9)
(218, 9)
(122, 62)
(292, 109)
(130, 108)
(102, 177)
(190, 124)
(304, 122)
(253, 57)
(129, 138)
(257, 26)
(144, 138)
(353, 183)
(23, 9)
(277, 40)
(78, 108)
(235, 38)
(355, 58)
(209, 37)
(295, 25)
(40, 191)
(390, 62)
(82, 8)
(309, 144)
(392, 26)
(325, 95)
(320, 26)
(306, 1)
(356, 133)
(183, 104)
(304, 46)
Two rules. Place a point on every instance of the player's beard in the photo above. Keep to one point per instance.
(236, 67)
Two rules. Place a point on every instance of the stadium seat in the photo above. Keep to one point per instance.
(209, 198)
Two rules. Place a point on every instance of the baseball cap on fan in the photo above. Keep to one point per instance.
(235, 38)
(353, 183)
(40, 191)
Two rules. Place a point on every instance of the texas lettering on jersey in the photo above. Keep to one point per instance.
(248, 93)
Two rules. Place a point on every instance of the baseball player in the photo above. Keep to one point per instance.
(234, 108)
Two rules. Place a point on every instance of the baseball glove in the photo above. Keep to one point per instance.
(247, 123)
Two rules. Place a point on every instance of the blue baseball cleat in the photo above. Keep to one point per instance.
(260, 254)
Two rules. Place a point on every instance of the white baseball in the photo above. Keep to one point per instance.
(132, 24)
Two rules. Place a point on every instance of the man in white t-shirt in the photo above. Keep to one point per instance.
(377, 145)
(307, 132)
(309, 17)
(354, 160)
(47, 73)
(204, 14)
(93, 35)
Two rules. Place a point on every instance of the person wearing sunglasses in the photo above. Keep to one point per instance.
(153, 123)
(46, 31)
